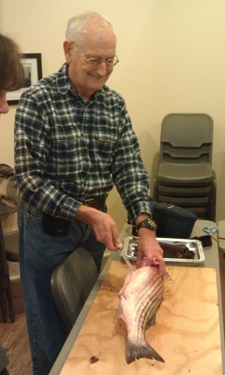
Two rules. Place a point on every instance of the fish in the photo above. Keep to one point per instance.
(140, 298)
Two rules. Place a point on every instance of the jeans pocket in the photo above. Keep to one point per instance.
(33, 213)
(87, 234)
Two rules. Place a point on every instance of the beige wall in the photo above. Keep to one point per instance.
(172, 59)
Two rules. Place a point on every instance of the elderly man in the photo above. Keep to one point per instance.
(73, 141)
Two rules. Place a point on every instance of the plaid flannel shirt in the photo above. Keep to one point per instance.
(67, 150)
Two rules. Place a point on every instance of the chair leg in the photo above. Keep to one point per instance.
(4, 372)
(5, 285)
(213, 201)
(10, 304)
(6, 300)
(3, 309)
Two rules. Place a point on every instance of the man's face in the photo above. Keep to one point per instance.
(97, 42)
(4, 108)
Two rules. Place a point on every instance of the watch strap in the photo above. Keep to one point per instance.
(147, 223)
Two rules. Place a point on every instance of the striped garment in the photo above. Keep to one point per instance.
(67, 150)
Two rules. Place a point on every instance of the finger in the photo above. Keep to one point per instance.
(139, 260)
(106, 236)
(116, 238)
(107, 240)
(118, 245)
(144, 262)
(162, 268)
(155, 261)
(110, 245)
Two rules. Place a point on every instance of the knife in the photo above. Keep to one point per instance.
(124, 256)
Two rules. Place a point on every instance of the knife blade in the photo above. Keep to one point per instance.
(125, 257)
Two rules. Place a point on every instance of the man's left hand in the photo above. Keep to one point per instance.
(149, 251)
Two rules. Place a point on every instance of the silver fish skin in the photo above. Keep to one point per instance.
(140, 297)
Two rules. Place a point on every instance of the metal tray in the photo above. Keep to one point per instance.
(131, 245)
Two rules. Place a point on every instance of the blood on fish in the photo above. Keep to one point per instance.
(94, 359)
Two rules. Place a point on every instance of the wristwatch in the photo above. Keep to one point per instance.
(147, 223)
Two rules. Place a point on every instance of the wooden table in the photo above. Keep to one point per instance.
(193, 349)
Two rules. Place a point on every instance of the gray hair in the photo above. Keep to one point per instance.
(77, 25)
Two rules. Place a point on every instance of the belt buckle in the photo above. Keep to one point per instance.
(87, 201)
(95, 202)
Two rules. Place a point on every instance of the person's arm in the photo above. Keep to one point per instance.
(128, 172)
(32, 148)
(102, 224)
(149, 251)
(132, 181)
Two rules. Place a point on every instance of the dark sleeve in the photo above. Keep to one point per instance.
(32, 146)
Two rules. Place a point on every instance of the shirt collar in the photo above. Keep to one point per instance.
(64, 85)
(62, 80)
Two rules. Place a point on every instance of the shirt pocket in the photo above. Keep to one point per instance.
(67, 146)
(105, 144)
(67, 155)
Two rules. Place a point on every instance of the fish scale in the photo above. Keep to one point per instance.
(147, 313)
(144, 296)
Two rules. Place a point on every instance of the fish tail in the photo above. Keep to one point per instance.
(136, 350)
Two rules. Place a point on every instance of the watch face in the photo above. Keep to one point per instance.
(151, 224)
(147, 223)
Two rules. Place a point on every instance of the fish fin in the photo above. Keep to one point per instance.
(136, 350)
(151, 322)
(167, 277)
(119, 312)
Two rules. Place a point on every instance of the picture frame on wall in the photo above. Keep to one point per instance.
(33, 72)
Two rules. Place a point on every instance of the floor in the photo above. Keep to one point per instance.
(14, 337)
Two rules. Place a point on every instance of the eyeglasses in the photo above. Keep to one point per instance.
(95, 61)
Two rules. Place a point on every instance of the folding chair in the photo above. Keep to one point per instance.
(185, 176)
(71, 284)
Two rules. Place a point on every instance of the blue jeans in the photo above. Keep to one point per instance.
(40, 254)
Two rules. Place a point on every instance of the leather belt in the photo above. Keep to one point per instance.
(96, 202)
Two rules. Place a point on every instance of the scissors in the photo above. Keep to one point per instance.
(210, 229)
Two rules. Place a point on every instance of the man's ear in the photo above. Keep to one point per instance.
(67, 46)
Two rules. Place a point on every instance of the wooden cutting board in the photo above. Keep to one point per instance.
(186, 333)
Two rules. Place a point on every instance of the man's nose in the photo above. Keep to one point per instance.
(4, 108)
(102, 69)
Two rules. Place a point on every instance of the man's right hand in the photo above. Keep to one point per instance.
(102, 224)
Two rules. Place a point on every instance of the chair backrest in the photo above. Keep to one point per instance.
(71, 284)
(11, 240)
(186, 138)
